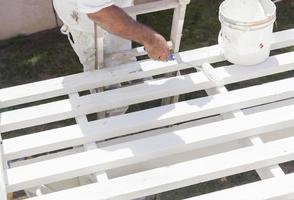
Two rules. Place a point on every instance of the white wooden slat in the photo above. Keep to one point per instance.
(99, 51)
(30, 92)
(274, 65)
(176, 35)
(83, 81)
(155, 89)
(3, 192)
(271, 189)
(151, 7)
(149, 148)
(36, 115)
(182, 174)
(282, 103)
(177, 24)
(49, 139)
(278, 40)
(147, 119)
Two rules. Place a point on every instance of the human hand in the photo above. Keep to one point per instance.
(157, 47)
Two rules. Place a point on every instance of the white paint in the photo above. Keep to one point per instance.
(244, 10)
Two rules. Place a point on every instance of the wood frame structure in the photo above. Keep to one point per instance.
(159, 149)
(245, 116)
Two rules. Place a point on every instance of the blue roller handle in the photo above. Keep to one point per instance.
(171, 57)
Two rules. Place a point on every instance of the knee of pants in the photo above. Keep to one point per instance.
(83, 45)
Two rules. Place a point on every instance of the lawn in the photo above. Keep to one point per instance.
(45, 55)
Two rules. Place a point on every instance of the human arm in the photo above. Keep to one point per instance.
(113, 19)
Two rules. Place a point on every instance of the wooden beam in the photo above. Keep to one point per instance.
(177, 24)
(3, 191)
(176, 35)
(151, 7)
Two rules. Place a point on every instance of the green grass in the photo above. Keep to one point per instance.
(48, 54)
(201, 23)
(37, 57)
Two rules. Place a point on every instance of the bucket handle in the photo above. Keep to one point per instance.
(221, 41)
(220, 38)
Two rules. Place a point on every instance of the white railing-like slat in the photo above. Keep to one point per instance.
(182, 174)
(3, 193)
(152, 7)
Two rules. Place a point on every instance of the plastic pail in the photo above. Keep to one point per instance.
(246, 30)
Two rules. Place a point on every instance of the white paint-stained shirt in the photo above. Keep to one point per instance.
(73, 13)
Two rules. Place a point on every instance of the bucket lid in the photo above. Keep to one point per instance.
(247, 12)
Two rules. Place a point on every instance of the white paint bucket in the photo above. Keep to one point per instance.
(246, 30)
